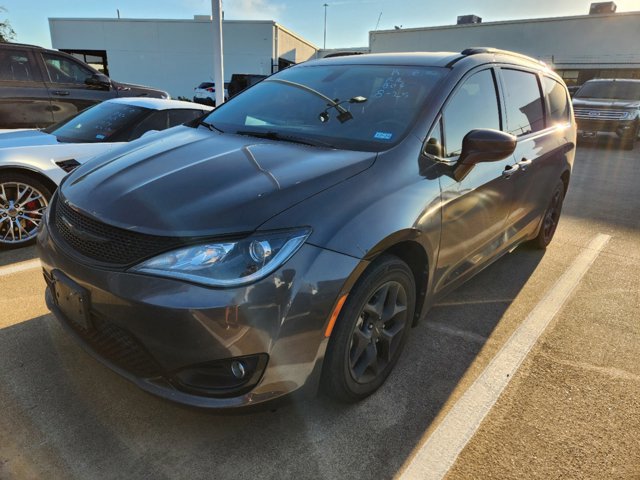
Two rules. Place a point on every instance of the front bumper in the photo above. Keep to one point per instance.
(149, 329)
(620, 127)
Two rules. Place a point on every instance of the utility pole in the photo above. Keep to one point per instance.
(218, 57)
(325, 25)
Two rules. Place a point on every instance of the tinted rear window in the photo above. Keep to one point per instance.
(525, 112)
(16, 66)
(557, 100)
(206, 85)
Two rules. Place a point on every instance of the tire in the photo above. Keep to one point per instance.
(369, 336)
(629, 142)
(23, 200)
(550, 219)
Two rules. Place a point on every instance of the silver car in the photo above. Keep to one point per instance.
(33, 162)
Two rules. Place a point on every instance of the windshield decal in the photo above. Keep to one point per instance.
(383, 136)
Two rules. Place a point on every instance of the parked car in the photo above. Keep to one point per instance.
(40, 87)
(33, 162)
(291, 238)
(205, 93)
(609, 105)
(242, 81)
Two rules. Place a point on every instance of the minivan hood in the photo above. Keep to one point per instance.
(194, 182)
(26, 138)
(604, 103)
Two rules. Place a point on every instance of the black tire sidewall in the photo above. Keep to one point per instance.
(541, 241)
(337, 378)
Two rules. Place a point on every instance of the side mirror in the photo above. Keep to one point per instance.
(99, 80)
(486, 145)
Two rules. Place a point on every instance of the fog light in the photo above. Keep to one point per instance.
(238, 369)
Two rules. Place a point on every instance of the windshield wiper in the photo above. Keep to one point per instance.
(271, 135)
(210, 126)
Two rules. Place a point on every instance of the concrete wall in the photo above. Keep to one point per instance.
(174, 55)
(292, 47)
(566, 42)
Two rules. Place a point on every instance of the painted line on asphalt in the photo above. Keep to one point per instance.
(439, 452)
(19, 267)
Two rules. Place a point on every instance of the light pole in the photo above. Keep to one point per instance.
(218, 65)
(325, 25)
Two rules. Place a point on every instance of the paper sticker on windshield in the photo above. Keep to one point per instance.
(100, 137)
(383, 136)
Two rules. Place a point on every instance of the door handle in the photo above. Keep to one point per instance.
(510, 170)
(61, 93)
(524, 163)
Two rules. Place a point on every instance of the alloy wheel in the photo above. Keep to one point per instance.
(378, 332)
(552, 216)
(22, 208)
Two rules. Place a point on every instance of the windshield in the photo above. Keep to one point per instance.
(611, 90)
(356, 107)
(100, 123)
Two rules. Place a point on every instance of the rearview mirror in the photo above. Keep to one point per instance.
(98, 80)
(486, 145)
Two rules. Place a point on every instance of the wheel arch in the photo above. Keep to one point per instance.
(32, 172)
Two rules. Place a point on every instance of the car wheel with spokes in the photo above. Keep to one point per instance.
(23, 201)
(371, 331)
(550, 219)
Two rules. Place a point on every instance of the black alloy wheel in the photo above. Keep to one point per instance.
(371, 331)
(551, 218)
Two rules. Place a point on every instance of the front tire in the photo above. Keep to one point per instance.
(23, 200)
(371, 331)
(550, 219)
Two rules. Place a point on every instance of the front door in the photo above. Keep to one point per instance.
(474, 208)
(67, 86)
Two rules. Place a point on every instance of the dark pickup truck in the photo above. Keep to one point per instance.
(608, 105)
(39, 87)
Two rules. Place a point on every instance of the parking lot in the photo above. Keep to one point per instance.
(571, 410)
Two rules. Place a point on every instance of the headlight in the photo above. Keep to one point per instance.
(227, 264)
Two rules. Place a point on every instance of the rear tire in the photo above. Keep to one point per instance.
(629, 142)
(550, 218)
(371, 331)
(23, 200)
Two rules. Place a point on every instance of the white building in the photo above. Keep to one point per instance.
(578, 47)
(176, 55)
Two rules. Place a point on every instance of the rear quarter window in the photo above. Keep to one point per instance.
(556, 95)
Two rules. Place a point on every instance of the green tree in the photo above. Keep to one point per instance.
(6, 31)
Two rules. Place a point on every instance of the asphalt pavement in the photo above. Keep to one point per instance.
(571, 410)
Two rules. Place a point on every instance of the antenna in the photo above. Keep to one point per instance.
(378, 22)
(118, 10)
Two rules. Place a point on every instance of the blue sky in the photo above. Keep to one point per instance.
(348, 24)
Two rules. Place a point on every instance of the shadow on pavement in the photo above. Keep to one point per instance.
(16, 255)
(66, 415)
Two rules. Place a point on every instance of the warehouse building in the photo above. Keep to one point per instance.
(602, 44)
(177, 55)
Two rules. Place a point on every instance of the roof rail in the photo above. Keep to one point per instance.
(479, 50)
(12, 44)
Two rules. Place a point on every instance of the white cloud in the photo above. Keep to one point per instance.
(252, 9)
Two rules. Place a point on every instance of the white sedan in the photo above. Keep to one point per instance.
(33, 162)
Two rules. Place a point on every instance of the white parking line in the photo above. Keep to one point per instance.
(436, 456)
(19, 267)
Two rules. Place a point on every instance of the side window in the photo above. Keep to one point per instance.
(473, 105)
(63, 70)
(158, 120)
(525, 112)
(178, 117)
(16, 66)
(557, 100)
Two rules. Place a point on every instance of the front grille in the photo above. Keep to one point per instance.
(105, 243)
(602, 114)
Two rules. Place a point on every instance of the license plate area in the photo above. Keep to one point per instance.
(72, 300)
